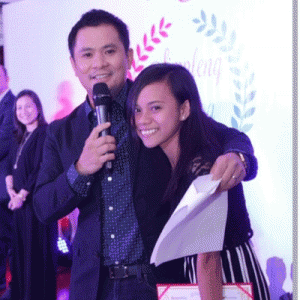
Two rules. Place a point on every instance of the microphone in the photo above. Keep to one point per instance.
(102, 100)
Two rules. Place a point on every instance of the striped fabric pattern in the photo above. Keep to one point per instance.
(239, 265)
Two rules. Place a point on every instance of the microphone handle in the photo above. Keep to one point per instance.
(102, 117)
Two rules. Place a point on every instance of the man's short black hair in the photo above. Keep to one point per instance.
(96, 17)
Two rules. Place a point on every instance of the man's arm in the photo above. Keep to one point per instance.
(53, 197)
(59, 189)
(231, 166)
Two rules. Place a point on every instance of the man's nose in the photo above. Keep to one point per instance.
(99, 60)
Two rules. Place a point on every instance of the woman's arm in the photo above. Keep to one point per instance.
(10, 186)
(209, 275)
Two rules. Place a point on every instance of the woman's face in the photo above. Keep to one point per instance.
(26, 111)
(158, 116)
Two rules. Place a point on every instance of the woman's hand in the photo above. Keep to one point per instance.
(23, 194)
(11, 192)
(15, 203)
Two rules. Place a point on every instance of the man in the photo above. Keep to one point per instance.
(6, 129)
(112, 244)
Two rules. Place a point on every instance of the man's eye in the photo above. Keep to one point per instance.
(110, 51)
(87, 54)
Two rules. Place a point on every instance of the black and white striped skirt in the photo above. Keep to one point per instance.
(239, 265)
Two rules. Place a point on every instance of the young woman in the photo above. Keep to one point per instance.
(33, 267)
(165, 110)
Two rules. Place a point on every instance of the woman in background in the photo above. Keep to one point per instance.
(165, 110)
(33, 267)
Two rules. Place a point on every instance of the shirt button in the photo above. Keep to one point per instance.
(88, 183)
(111, 208)
(109, 178)
(97, 254)
(116, 262)
(112, 236)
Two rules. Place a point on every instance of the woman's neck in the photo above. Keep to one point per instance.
(172, 154)
(31, 127)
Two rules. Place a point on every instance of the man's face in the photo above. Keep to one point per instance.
(99, 56)
(3, 80)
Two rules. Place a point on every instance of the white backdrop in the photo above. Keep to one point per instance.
(240, 55)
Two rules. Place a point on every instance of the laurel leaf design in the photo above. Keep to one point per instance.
(152, 30)
(145, 40)
(149, 48)
(251, 78)
(210, 32)
(249, 112)
(203, 16)
(138, 50)
(238, 84)
(218, 39)
(237, 111)
(133, 63)
(226, 44)
(144, 57)
(232, 38)
(250, 97)
(201, 28)
(224, 28)
(235, 71)
(161, 24)
(137, 65)
(163, 33)
(238, 98)
(224, 48)
(234, 123)
(246, 127)
(233, 59)
(214, 21)
(156, 40)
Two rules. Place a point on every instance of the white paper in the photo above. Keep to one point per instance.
(197, 225)
(239, 291)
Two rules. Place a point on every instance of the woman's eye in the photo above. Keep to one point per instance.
(156, 107)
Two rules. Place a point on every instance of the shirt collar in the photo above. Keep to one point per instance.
(120, 99)
(3, 94)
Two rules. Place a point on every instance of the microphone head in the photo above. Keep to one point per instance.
(101, 94)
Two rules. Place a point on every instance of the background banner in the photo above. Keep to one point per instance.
(240, 55)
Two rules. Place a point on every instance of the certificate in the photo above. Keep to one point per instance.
(238, 291)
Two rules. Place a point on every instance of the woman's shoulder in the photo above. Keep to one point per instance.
(39, 133)
(41, 130)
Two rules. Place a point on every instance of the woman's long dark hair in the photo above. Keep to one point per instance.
(197, 134)
(21, 128)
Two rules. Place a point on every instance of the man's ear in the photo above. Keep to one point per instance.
(185, 110)
(129, 57)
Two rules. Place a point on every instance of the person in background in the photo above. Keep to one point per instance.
(33, 268)
(6, 128)
(165, 111)
(113, 240)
